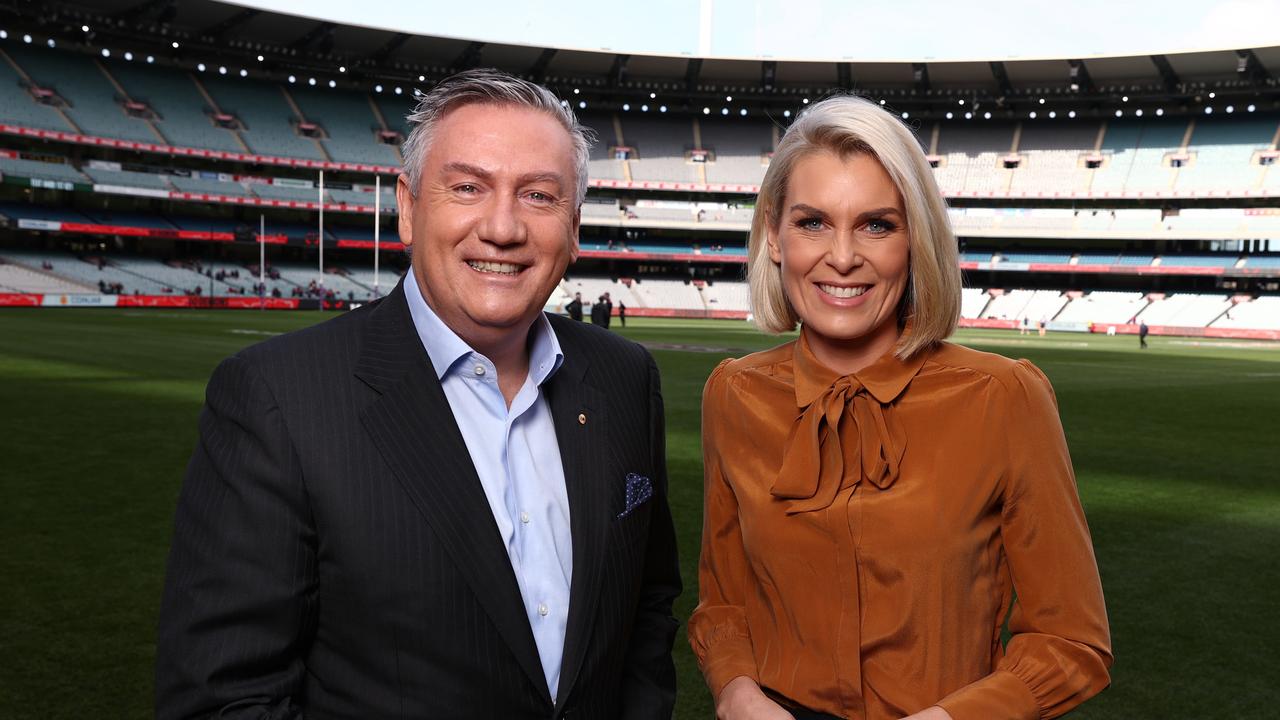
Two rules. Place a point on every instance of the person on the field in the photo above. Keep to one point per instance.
(622, 313)
(1143, 330)
(878, 499)
(574, 308)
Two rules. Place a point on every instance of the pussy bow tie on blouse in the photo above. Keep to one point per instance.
(845, 432)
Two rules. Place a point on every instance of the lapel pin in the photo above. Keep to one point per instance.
(582, 419)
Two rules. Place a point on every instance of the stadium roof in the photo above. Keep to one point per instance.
(216, 31)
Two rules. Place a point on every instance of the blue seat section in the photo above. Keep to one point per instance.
(18, 107)
(1136, 259)
(350, 124)
(267, 118)
(207, 185)
(682, 248)
(93, 102)
(394, 109)
(1099, 259)
(1223, 147)
(43, 170)
(184, 117)
(1199, 260)
(40, 212)
(1029, 257)
(1262, 261)
(128, 178)
(130, 219)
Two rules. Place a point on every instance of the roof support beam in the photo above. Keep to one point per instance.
(470, 57)
(844, 75)
(768, 74)
(691, 73)
(1080, 78)
(217, 30)
(321, 34)
(539, 70)
(1249, 68)
(920, 76)
(1167, 73)
(618, 73)
(390, 47)
(1002, 77)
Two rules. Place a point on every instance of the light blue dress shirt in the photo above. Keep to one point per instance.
(515, 453)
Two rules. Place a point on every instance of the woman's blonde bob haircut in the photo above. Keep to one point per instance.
(847, 125)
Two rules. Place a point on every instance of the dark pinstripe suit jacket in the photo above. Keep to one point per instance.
(334, 555)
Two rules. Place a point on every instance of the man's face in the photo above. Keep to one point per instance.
(494, 222)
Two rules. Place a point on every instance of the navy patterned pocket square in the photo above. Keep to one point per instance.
(639, 490)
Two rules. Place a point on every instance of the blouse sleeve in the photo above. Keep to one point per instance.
(1060, 651)
(718, 629)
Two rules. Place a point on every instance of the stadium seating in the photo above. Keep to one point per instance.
(207, 186)
(349, 123)
(1185, 310)
(17, 105)
(42, 170)
(1104, 307)
(1259, 313)
(183, 115)
(739, 146)
(973, 301)
(23, 273)
(127, 178)
(93, 103)
(660, 147)
(264, 111)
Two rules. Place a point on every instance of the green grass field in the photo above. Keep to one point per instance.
(1175, 448)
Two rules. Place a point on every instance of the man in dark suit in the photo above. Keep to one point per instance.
(445, 504)
(574, 308)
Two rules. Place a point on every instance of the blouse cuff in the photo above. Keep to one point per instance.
(729, 657)
(998, 695)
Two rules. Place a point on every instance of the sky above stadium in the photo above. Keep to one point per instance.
(827, 30)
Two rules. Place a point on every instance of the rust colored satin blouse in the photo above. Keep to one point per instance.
(864, 536)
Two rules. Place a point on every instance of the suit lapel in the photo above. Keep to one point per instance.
(580, 414)
(413, 427)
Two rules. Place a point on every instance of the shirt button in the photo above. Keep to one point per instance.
(479, 370)
(542, 609)
(524, 518)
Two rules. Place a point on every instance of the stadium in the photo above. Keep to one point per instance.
(170, 169)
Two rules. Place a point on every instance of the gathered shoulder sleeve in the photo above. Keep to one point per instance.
(718, 629)
(1059, 654)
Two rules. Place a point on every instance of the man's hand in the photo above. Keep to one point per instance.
(742, 699)
(930, 713)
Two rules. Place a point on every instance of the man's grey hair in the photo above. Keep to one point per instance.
(492, 87)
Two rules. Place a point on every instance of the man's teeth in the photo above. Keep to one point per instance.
(842, 292)
(494, 267)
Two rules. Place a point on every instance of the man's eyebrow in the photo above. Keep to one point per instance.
(552, 177)
(467, 169)
(474, 170)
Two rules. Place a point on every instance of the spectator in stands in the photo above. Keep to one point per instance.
(574, 308)
(876, 498)
(376, 520)
(1143, 330)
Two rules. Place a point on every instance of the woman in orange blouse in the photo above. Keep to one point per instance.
(876, 496)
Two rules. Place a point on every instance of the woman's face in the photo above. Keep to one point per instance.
(844, 249)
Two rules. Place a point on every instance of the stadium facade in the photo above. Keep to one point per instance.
(152, 152)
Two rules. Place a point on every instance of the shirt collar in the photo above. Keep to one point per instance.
(884, 379)
(445, 348)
